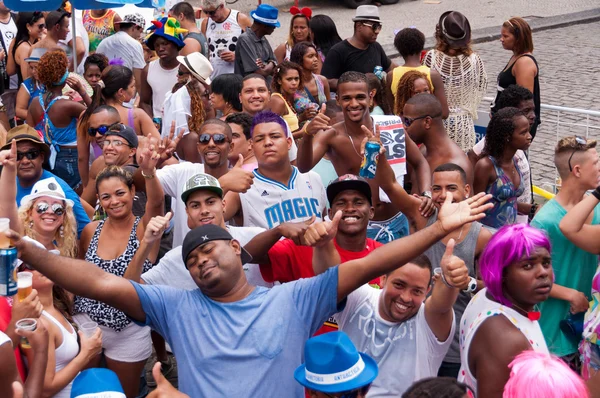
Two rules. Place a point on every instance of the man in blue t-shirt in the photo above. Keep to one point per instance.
(230, 338)
(32, 152)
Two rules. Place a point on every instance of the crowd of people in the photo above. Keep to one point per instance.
(188, 195)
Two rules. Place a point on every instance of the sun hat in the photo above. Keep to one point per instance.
(97, 383)
(333, 365)
(168, 28)
(25, 132)
(198, 65)
(201, 181)
(455, 28)
(367, 13)
(47, 187)
(266, 14)
(348, 182)
(135, 19)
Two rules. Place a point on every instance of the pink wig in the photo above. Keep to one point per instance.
(509, 245)
(538, 375)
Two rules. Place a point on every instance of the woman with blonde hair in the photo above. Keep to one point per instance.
(45, 215)
(463, 74)
(299, 32)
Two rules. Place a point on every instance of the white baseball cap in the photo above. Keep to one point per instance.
(47, 187)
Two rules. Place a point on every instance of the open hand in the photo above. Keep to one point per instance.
(319, 234)
(454, 215)
(455, 270)
(148, 156)
(168, 145)
(426, 207)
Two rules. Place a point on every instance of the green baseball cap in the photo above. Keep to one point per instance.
(201, 181)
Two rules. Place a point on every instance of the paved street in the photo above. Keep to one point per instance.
(569, 77)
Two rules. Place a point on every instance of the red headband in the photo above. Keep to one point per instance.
(307, 12)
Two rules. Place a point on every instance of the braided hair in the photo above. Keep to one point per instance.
(500, 130)
(406, 88)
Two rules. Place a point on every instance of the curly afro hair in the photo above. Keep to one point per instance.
(409, 41)
(500, 130)
(406, 88)
(52, 67)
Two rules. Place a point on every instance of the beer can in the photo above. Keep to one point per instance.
(368, 166)
(8, 271)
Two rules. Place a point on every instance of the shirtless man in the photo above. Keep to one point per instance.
(57, 25)
(422, 120)
(342, 143)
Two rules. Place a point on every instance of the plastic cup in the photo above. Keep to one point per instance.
(88, 328)
(26, 324)
(24, 285)
(4, 226)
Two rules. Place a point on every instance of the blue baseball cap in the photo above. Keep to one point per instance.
(97, 383)
(333, 365)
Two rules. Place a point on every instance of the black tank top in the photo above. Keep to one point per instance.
(506, 78)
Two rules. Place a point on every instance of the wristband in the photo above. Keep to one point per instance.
(149, 177)
(596, 193)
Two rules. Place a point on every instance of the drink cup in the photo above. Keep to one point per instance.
(26, 324)
(4, 226)
(24, 283)
(88, 328)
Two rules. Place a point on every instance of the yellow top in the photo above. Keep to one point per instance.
(291, 118)
(399, 71)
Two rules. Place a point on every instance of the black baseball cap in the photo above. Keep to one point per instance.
(348, 182)
(125, 132)
(204, 234)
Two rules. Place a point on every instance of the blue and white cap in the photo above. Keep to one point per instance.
(97, 383)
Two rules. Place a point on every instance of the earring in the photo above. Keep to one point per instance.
(61, 231)
(31, 224)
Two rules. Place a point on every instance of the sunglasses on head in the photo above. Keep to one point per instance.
(102, 129)
(218, 139)
(56, 208)
(581, 142)
(407, 121)
(30, 155)
(351, 394)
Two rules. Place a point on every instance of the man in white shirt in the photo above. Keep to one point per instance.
(407, 336)
(8, 31)
(124, 45)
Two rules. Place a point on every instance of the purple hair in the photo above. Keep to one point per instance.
(509, 245)
(268, 117)
(538, 375)
(116, 61)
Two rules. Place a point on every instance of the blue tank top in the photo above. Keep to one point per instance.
(504, 197)
(34, 89)
(56, 136)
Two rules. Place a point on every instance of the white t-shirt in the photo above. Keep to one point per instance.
(173, 178)
(9, 32)
(405, 352)
(124, 47)
(81, 33)
(171, 271)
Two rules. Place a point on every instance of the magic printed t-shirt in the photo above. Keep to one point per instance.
(248, 348)
(290, 262)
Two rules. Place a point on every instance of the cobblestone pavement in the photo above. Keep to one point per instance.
(561, 84)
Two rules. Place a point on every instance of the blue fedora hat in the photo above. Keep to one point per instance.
(333, 364)
(266, 15)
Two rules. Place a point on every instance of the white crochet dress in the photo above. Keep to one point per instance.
(465, 82)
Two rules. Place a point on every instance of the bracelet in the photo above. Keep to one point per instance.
(532, 211)
(305, 131)
(150, 176)
(596, 193)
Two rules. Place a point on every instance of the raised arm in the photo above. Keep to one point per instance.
(148, 158)
(259, 246)
(8, 193)
(81, 278)
(385, 259)
(314, 143)
(154, 231)
(575, 228)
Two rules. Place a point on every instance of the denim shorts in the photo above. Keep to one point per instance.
(388, 230)
(66, 166)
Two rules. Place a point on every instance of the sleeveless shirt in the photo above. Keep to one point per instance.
(290, 118)
(481, 308)
(98, 28)
(161, 81)
(398, 72)
(465, 250)
(220, 37)
(64, 353)
(504, 197)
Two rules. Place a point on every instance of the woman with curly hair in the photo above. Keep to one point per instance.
(497, 171)
(59, 115)
(30, 28)
(315, 91)
(299, 31)
(93, 67)
(287, 79)
(111, 244)
(463, 74)
(116, 90)
(411, 83)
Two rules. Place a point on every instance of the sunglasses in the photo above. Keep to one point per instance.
(375, 26)
(42, 26)
(407, 121)
(218, 139)
(581, 142)
(43, 207)
(30, 155)
(351, 394)
(114, 143)
(102, 129)
(213, 12)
